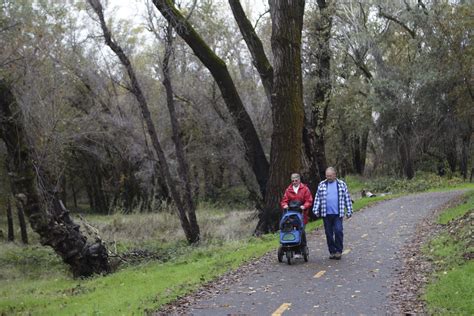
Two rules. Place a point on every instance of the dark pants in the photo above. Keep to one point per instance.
(334, 234)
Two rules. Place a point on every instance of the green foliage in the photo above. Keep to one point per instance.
(229, 197)
(355, 183)
(446, 251)
(458, 211)
(421, 182)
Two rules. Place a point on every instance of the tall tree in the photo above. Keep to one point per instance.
(287, 106)
(54, 225)
(187, 216)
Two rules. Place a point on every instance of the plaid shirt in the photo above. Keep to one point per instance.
(343, 197)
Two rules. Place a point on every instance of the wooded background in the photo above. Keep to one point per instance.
(212, 101)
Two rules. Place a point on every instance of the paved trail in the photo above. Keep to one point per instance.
(356, 285)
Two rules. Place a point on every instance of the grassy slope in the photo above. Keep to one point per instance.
(452, 288)
(128, 291)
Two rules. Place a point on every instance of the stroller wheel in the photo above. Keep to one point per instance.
(305, 254)
(288, 257)
(280, 254)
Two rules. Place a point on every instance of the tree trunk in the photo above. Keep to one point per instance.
(451, 153)
(314, 137)
(191, 235)
(10, 228)
(22, 222)
(74, 195)
(183, 167)
(359, 151)
(254, 153)
(64, 189)
(55, 227)
(466, 144)
(406, 157)
(287, 103)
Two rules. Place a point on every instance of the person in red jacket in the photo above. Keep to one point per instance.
(298, 191)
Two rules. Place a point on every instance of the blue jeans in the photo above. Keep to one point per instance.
(334, 234)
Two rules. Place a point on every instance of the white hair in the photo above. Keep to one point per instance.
(295, 176)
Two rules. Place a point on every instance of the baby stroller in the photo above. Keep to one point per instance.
(292, 234)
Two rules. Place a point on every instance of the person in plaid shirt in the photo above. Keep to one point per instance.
(330, 202)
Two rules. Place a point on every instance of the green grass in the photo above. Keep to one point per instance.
(130, 291)
(458, 211)
(33, 280)
(452, 293)
(355, 183)
(451, 290)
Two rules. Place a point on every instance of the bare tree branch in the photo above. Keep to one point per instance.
(255, 47)
(397, 21)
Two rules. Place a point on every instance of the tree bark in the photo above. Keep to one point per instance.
(55, 227)
(254, 153)
(22, 223)
(451, 153)
(314, 137)
(191, 235)
(466, 144)
(287, 103)
(359, 151)
(183, 167)
(10, 228)
(74, 195)
(406, 157)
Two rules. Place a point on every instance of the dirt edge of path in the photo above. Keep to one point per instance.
(416, 269)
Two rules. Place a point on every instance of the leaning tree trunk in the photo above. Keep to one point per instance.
(287, 103)
(192, 235)
(255, 46)
(254, 153)
(55, 227)
(183, 167)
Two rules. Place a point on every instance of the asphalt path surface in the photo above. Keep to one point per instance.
(358, 284)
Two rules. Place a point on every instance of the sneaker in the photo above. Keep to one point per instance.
(337, 256)
(332, 256)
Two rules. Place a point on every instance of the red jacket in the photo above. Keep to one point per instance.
(304, 196)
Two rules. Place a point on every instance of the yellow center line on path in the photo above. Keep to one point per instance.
(345, 252)
(319, 274)
(281, 309)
